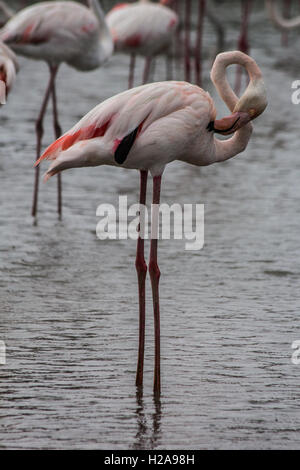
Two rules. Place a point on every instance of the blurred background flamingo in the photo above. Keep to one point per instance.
(58, 32)
(142, 28)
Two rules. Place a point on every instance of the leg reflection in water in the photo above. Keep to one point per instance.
(147, 436)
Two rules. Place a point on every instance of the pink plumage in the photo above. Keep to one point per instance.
(142, 28)
(39, 31)
(56, 32)
(173, 120)
(8, 67)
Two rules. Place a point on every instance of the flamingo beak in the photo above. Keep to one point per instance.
(230, 124)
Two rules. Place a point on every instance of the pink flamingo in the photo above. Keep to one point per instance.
(146, 128)
(58, 32)
(142, 28)
(8, 67)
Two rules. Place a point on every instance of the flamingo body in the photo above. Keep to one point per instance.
(142, 28)
(171, 118)
(162, 122)
(58, 32)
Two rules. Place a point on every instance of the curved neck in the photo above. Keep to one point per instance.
(219, 79)
(218, 25)
(99, 13)
(8, 12)
(278, 19)
(225, 149)
(106, 41)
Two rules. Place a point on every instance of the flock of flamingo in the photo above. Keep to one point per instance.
(142, 128)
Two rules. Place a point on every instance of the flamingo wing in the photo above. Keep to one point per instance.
(145, 26)
(121, 119)
(49, 20)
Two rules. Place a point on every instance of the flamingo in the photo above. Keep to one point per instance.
(58, 32)
(142, 28)
(8, 67)
(147, 127)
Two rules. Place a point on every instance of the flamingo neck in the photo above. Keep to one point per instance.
(278, 19)
(225, 149)
(105, 35)
(219, 79)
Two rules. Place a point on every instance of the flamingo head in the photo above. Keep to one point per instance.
(251, 104)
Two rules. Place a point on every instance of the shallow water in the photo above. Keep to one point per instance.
(229, 312)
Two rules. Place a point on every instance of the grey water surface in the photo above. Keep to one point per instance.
(229, 312)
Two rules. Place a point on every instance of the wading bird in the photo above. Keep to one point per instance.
(57, 32)
(8, 69)
(147, 127)
(142, 28)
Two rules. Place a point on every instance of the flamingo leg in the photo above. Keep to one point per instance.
(154, 276)
(198, 52)
(169, 66)
(39, 136)
(187, 40)
(287, 14)
(178, 40)
(147, 69)
(141, 269)
(58, 133)
(131, 71)
(243, 44)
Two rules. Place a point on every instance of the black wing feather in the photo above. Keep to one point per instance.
(125, 146)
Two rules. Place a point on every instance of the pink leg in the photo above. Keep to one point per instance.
(198, 52)
(169, 67)
(147, 67)
(286, 14)
(58, 133)
(243, 44)
(178, 37)
(39, 135)
(141, 269)
(131, 71)
(154, 276)
(187, 52)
